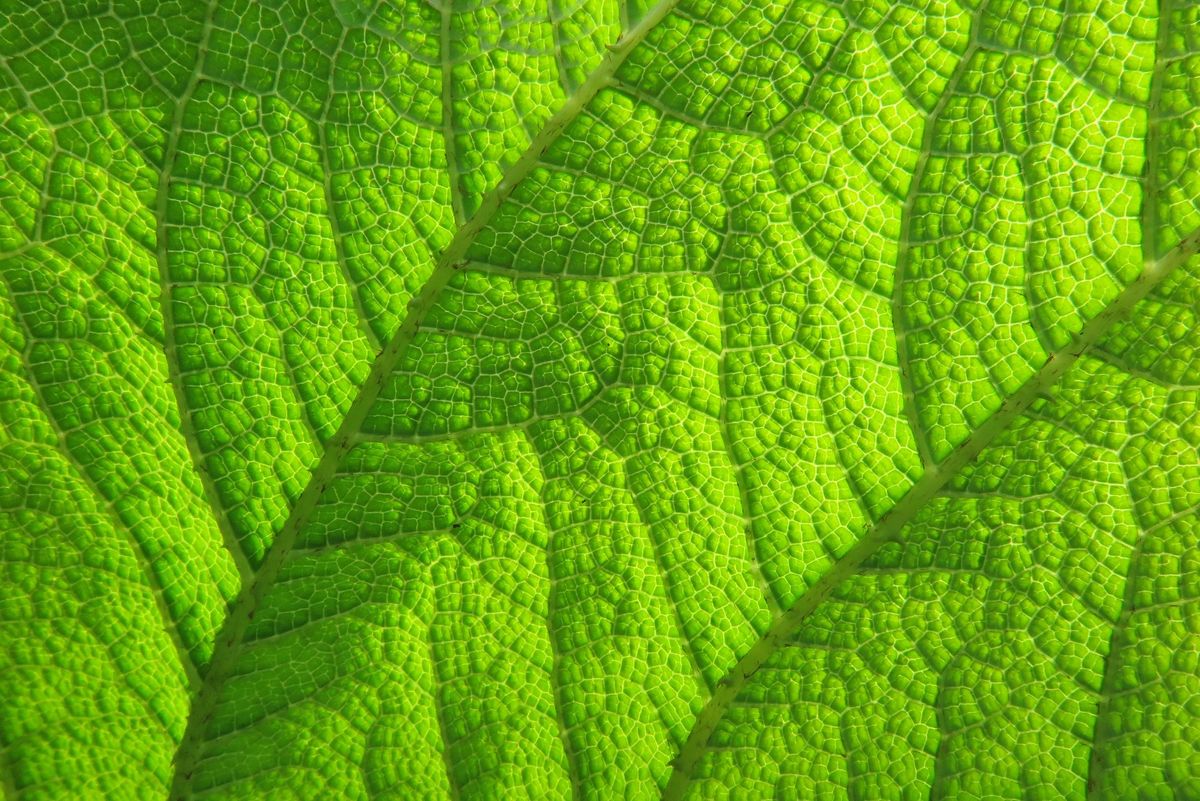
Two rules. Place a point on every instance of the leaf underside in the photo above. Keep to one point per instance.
(701, 400)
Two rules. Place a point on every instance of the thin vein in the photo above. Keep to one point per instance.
(1027, 284)
(642, 96)
(1149, 250)
(560, 710)
(146, 565)
(919, 495)
(17, 87)
(1120, 363)
(44, 192)
(307, 420)
(560, 62)
(443, 726)
(170, 350)
(1108, 689)
(447, 31)
(1150, 168)
(904, 258)
(689, 645)
(472, 431)
(8, 773)
(228, 644)
(339, 244)
(852, 482)
(772, 600)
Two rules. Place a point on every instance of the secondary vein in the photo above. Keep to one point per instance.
(904, 258)
(890, 524)
(108, 504)
(228, 536)
(1149, 212)
(229, 643)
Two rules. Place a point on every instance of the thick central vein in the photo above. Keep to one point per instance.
(229, 642)
(889, 526)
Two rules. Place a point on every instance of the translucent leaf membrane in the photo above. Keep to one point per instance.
(767, 270)
(114, 573)
(320, 161)
(175, 359)
(1032, 634)
(699, 380)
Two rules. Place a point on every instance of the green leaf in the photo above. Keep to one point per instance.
(705, 400)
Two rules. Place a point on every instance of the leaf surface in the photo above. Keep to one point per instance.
(783, 400)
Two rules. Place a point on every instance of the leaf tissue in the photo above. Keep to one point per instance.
(497, 399)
